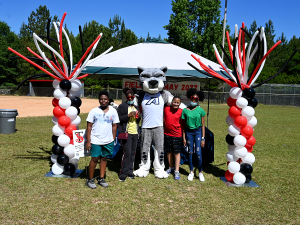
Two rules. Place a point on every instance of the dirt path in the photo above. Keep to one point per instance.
(40, 106)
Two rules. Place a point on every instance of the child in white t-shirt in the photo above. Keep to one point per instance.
(100, 133)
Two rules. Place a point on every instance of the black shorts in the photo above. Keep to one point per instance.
(172, 144)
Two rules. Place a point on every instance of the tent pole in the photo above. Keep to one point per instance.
(208, 100)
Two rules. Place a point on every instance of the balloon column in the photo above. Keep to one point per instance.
(67, 85)
(242, 102)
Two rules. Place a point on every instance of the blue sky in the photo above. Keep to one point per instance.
(150, 16)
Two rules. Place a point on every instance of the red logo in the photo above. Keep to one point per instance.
(79, 137)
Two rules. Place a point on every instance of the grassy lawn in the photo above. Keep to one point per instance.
(27, 197)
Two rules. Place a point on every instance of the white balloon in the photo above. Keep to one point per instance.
(239, 178)
(248, 111)
(57, 130)
(230, 156)
(76, 85)
(234, 167)
(55, 84)
(231, 147)
(252, 122)
(236, 93)
(76, 121)
(54, 158)
(229, 120)
(240, 141)
(240, 152)
(63, 140)
(74, 93)
(71, 112)
(59, 93)
(241, 102)
(64, 102)
(233, 130)
(249, 158)
(54, 120)
(69, 151)
(57, 169)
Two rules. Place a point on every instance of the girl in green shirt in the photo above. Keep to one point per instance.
(194, 130)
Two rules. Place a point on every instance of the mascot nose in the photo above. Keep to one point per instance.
(153, 82)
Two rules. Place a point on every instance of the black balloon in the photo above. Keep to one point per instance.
(246, 168)
(76, 102)
(249, 92)
(229, 139)
(253, 102)
(248, 177)
(69, 169)
(54, 139)
(65, 85)
(57, 150)
(62, 159)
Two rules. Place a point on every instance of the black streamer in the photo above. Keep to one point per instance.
(234, 59)
(207, 74)
(270, 78)
(32, 77)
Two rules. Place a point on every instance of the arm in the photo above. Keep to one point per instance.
(123, 118)
(183, 132)
(88, 136)
(114, 130)
(203, 131)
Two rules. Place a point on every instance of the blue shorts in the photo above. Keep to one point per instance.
(102, 150)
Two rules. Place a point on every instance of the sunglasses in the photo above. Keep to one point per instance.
(194, 98)
(130, 97)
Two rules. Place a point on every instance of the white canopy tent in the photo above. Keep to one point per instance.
(123, 63)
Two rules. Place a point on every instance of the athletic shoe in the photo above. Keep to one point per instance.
(201, 177)
(170, 170)
(90, 183)
(177, 175)
(131, 176)
(122, 179)
(191, 176)
(102, 182)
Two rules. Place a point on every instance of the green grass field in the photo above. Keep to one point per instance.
(27, 197)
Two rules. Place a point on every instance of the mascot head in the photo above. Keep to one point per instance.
(152, 80)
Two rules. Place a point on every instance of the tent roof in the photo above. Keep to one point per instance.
(124, 62)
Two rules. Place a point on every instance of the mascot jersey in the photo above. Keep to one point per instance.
(152, 108)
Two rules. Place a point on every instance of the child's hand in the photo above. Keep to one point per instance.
(202, 144)
(88, 146)
(131, 114)
(184, 142)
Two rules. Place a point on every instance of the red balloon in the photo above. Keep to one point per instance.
(58, 112)
(55, 102)
(229, 176)
(251, 141)
(249, 147)
(64, 121)
(234, 111)
(231, 102)
(69, 130)
(72, 141)
(247, 131)
(240, 121)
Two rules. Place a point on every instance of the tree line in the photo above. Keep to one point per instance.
(194, 25)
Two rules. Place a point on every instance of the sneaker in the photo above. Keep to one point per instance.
(170, 170)
(122, 179)
(177, 175)
(191, 176)
(131, 176)
(201, 177)
(90, 183)
(102, 182)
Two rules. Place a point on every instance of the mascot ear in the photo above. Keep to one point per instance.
(140, 69)
(164, 69)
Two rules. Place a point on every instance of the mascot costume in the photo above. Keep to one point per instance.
(151, 101)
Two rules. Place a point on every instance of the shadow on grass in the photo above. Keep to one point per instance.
(37, 155)
(214, 170)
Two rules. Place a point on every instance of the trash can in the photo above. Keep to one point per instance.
(8, 121)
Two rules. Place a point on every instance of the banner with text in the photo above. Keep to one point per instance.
(176, 88)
